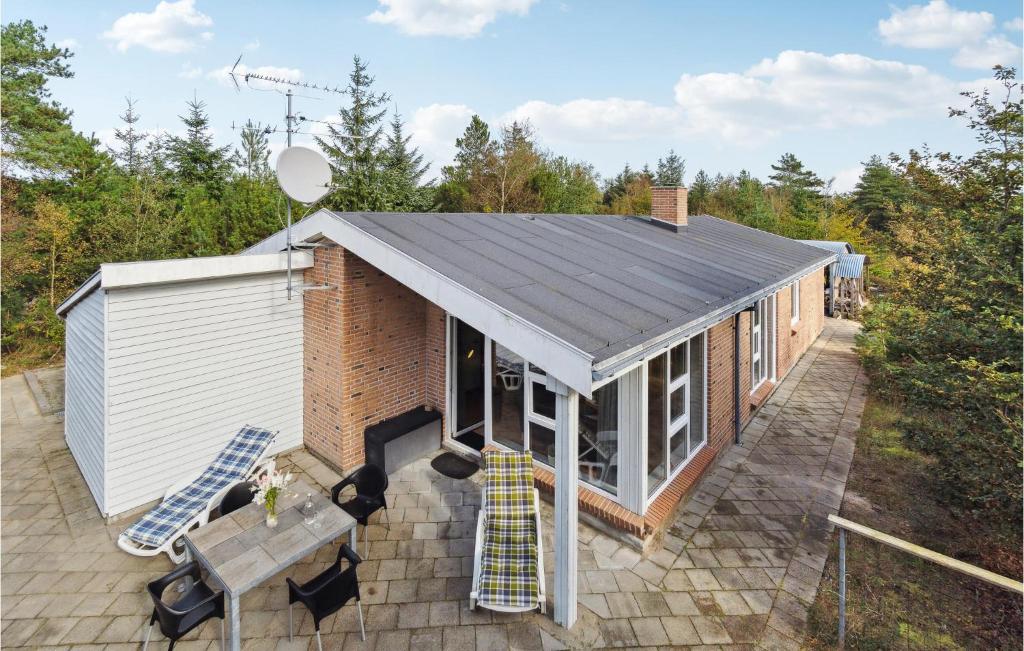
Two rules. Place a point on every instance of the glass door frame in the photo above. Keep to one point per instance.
(451, 384)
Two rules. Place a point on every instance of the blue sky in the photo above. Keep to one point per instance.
(728, 85)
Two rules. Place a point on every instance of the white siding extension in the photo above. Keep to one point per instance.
(85, 391)
(189, 363)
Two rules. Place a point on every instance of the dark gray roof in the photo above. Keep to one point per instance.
(603, 283)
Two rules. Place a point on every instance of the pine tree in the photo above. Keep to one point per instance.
(473, 147)
(878, 193)
(354, 146)
(791, 174)
(699, 197)
(671, 170)
(253, 158)
(129, 153)
(194, 158)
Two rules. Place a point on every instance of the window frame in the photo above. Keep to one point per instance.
(673, 427)
(763, 326)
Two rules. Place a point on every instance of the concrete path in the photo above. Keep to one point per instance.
(738, 571)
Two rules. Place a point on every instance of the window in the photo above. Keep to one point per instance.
(599, 438)
(762, 342)
(540, 412)
(794, 302)
(675, 410)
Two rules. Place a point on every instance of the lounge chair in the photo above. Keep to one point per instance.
(188, 503)
(508, 562)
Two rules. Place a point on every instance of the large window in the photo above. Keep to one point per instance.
(540, 416)
(794, 302)
(599, 438)
(675, 410)
(762, 342)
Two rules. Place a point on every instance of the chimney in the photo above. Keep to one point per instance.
(668, 205)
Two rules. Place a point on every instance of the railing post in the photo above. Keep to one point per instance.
(842, 587)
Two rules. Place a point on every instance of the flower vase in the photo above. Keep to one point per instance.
(271, 517)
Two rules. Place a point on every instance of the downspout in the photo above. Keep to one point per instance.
(736, 372)
(736, 376)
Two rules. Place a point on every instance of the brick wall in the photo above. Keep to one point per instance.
(669, 204)
(373, 349)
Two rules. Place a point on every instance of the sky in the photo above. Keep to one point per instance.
(727, 85)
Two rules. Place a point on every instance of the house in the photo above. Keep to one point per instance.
(625, 352)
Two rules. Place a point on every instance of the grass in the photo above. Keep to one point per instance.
(895, 600)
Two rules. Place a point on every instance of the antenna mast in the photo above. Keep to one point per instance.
(290, 127)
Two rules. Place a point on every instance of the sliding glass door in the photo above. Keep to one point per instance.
(469, 384)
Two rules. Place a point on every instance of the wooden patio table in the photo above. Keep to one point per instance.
(240, 551)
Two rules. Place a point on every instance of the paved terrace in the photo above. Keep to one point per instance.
(739, 568)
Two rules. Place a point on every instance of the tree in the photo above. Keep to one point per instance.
(629, 192)
(129, 154)
(878, 194)
(791, 174)
(567, 187)
(671, 170)
(699, 197)
(473, 150)
(34, 130)
(354, 144)
(254, 156)
(505, 185)
(194, 158)
(403, 168)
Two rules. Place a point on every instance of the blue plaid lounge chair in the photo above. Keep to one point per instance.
(508, 562)
(188, 503)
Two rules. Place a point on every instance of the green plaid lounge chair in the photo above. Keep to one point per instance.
(508, 562)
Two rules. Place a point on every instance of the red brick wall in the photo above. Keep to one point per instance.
(373, 349)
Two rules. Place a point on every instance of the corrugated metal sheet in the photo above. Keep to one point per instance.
(600, 282)
(850, 265)
(834, 247)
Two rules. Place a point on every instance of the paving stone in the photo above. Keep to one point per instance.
(710, 630)
(618, 633)
(491, 637)
(649, 631)
(622, 604)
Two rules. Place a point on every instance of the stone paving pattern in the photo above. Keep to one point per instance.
(739, 568)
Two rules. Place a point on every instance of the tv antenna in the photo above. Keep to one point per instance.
(300, 163)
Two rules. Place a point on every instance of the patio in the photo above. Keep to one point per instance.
(739, 567)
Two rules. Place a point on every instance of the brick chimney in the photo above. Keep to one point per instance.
(668, 204)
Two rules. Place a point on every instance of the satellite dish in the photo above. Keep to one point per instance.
(303, 174)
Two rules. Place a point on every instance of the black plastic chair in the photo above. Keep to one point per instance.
(370, 482)
(328, 592)
(238, 496)
(194, 607)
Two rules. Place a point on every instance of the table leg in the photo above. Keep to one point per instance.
(354, 539)
(235, 638)
(186, 584)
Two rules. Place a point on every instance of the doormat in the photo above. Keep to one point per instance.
(453, 466)
(472, 440)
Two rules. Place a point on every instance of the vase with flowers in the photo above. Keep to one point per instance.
(268, 488)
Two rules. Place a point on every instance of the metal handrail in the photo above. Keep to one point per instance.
(910, 548)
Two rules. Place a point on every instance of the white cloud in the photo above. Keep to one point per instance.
(252, 45)
(797, 90)
(1017, 24)
(434, 129)
(935, 25)
(984, 55)
(221, 75)
(596, 120)
(846, 179)
(67, 43)
(462, 18)
(189, 71)
(172, 27)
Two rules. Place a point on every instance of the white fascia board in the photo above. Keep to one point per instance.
(156, 272)
(83, 290)
(626, 361)
(559, 358)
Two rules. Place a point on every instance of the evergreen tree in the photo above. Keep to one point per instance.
(253, 157)
(671, 170)
(790, 174)
(354, 145)
(403, 169)
(878, 194)
(473, 150)
(194, 158)
(699, 197)
(129, 153)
